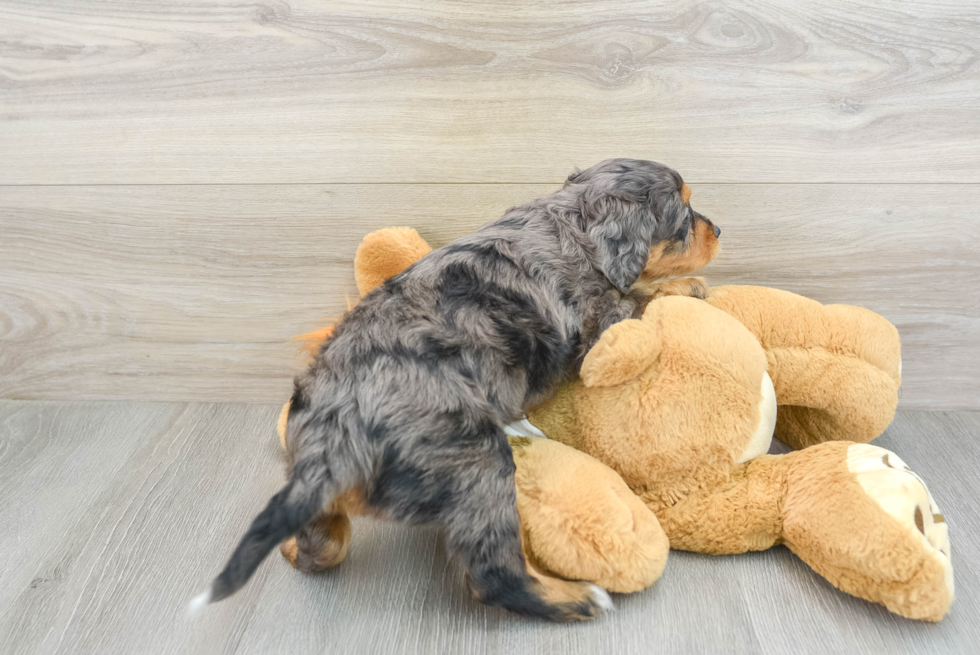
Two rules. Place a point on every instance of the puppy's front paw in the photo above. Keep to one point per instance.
(695, 287)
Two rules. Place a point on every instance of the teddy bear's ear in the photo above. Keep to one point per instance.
(281, 423)
(625, 350)
(385, 253)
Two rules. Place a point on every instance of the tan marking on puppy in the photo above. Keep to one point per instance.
(666, 263)
(324, 546)
(289, 550)
(573, 595)
(694, 287)
(686, 193)
(352, 502)
(577, 597)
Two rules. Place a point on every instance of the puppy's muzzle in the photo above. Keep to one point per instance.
(706, 220)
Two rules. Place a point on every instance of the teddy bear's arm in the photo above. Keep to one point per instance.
(837, 369)
(607, 310)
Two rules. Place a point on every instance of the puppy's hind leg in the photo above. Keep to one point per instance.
(320, 544)
(484, 530)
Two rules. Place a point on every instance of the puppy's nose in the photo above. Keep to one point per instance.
(717, 231)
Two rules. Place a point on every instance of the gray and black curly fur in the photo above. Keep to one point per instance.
(407, 401)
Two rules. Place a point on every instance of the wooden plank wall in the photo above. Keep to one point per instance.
(183, 184)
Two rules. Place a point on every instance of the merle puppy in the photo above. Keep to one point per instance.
(401, 414)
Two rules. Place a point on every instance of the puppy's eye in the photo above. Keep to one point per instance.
(685, 227)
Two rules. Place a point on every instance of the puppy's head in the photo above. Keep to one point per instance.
(638, 215)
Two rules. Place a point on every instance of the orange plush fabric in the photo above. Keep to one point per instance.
(675, 403)
(836, 368)
(580, 521)
(386, 253)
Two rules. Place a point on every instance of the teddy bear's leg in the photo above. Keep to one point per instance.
(736, 515)
(579, 520)
(281, 423)
(862, 519)
(854, 512)
(320, 544)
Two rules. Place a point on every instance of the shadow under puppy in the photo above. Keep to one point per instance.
(401, 413)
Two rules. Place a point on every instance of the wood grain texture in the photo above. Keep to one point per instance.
(182, 91)
(193, 292)
(115, 514)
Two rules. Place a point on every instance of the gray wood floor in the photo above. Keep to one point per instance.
(115, 513)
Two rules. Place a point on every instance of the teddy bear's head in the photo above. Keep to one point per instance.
(672, 401)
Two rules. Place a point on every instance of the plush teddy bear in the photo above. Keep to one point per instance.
(681, 404)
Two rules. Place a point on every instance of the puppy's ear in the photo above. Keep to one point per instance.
(621, 228)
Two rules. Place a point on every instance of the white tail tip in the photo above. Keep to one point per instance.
(197, 604)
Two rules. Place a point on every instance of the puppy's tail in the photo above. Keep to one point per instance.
(295, 505)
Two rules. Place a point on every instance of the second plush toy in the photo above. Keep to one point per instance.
(680, 405)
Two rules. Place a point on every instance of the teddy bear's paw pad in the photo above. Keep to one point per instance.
(903, 495)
